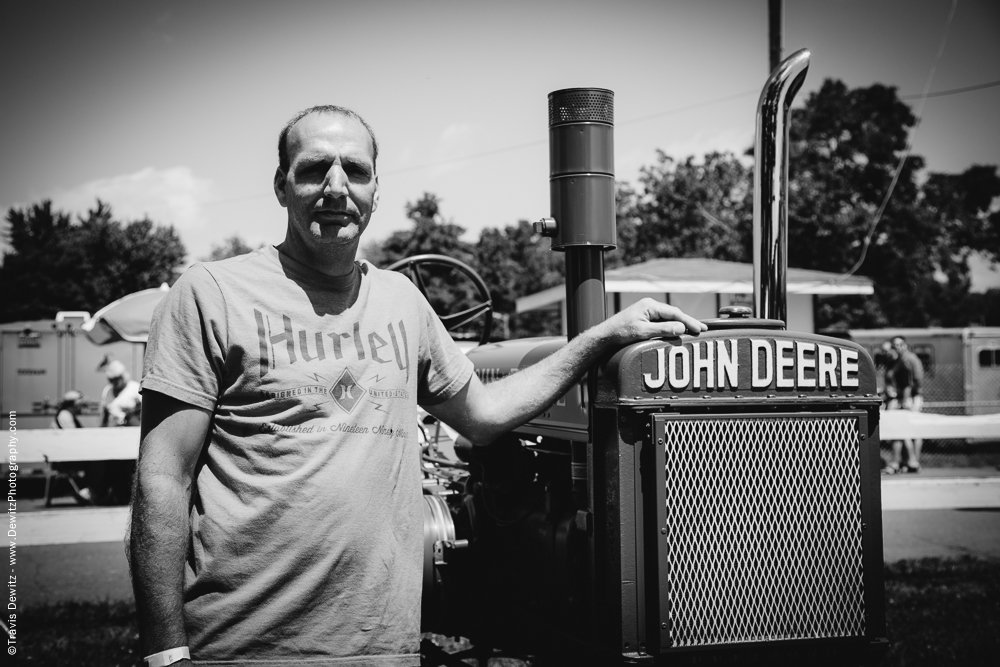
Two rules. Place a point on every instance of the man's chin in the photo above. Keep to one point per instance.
(335, 234)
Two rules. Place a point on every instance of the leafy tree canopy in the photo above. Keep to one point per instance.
(689, 209)
(846, 147)
(431, 233)
(55, 263)
(447, 291)
(233, 246)
(515, 262)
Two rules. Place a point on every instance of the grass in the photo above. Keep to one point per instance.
(943, 612)
(79, 633)
(939, 612)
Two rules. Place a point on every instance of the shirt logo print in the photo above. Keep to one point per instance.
(346, 392)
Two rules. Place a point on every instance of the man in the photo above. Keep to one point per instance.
(121, 401)
(885, 361)
(276, 514)
(908, 377)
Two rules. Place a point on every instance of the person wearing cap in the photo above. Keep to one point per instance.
(277, 515)
(120, 400)
(77, 474)
(68, 410)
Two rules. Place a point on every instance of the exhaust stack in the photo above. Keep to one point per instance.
(582, 196)
(770, 191)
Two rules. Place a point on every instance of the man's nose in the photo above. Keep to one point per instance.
(336, 182)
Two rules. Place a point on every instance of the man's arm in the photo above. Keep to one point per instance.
(917, 372)
(172, 436)
(483, 412)
(104, 407)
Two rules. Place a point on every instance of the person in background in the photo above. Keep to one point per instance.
(120, 401)
(67, 411)
(885, 361)
(67, 417)
(908, 375)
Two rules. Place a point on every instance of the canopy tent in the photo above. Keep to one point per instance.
(699, 276)
(126, 319)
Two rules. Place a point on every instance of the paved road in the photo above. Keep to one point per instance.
(77, 553)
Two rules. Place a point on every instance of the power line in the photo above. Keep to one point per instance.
(906, 151)
(511, 149)
(461, 158)
(953, 91)
(630, 121)
(532, 144)
(690, 107)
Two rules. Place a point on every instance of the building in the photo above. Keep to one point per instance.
(700, 287)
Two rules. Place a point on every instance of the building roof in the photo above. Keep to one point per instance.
(699, 276)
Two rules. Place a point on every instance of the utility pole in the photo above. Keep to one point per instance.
(774, 29)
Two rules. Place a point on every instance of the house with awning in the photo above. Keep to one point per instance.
(700, 287)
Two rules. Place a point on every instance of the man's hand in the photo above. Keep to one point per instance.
(646, 319)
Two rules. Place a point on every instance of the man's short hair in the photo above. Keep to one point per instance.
(283, 160)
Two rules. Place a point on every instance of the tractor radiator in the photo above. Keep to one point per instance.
(760, 527)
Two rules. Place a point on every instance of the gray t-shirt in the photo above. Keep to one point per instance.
(307, 525)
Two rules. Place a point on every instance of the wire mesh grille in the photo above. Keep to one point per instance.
(576, 105)
(764, 532)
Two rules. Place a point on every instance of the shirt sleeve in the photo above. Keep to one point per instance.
(185, 355)
(444, 368)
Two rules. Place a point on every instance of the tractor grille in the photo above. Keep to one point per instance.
(763, 528)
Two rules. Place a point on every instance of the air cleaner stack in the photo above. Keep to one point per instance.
(582, 196)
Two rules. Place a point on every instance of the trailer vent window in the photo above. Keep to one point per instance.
(29, 338)
(764, 529)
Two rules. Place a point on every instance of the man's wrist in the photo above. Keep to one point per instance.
(168, 657)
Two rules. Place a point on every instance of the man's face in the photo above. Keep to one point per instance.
(899, 345)
(118, 382)
(330, 189)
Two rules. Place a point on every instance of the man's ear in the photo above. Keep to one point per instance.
(375, 198)
(279, 186)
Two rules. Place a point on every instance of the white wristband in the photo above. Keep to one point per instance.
(168, 657)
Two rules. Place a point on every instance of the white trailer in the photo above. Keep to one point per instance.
(961, 365)
(43, 359)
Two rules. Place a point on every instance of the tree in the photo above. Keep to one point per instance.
(233, 246)
(55, 263)
(432, 234)
(846, 148)
(692, 208)
(515, 262)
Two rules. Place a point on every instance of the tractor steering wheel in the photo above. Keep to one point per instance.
(411, 267)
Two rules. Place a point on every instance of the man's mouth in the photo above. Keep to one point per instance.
(334, 217)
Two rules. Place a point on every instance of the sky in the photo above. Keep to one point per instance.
(171, 109)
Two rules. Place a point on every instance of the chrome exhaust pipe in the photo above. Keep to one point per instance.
(770, 187)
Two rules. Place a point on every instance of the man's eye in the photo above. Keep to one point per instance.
(358, 171)
(311, 173)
